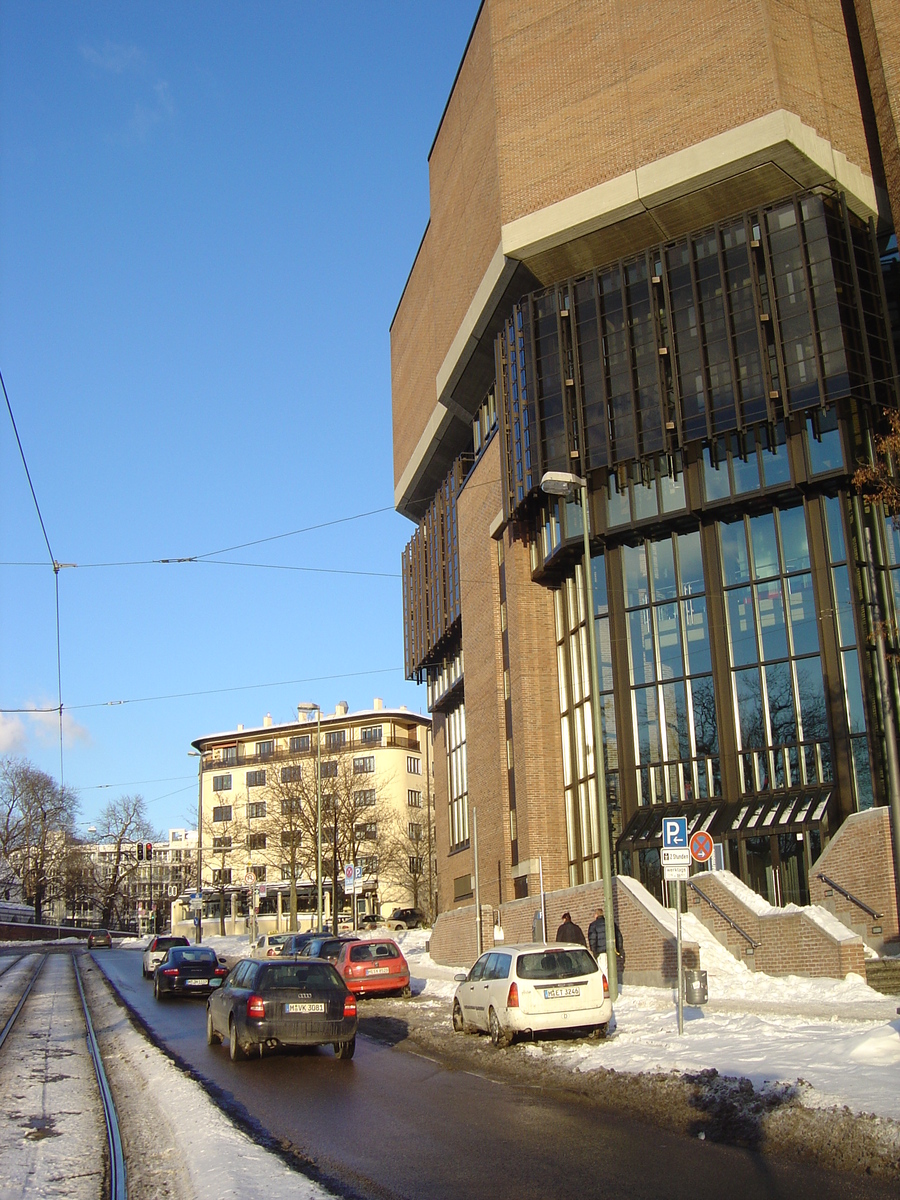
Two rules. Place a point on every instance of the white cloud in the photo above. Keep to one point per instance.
(112, 57)
(43, 726)
(12, 734)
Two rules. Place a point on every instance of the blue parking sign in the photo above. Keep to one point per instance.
(674, 833)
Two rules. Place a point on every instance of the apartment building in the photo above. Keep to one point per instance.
(341, 788)
(661, 258)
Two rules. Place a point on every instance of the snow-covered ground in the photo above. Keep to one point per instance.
(838, 1041)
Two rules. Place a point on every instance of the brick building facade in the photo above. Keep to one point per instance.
(661, 258)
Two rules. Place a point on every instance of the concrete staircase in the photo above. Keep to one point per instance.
(883, 974)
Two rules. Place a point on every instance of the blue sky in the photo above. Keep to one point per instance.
(207, 215)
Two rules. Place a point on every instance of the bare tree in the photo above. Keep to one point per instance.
(37, 817)
(121, 823)
(403, 856)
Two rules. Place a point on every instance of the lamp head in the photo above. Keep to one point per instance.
(561, 483)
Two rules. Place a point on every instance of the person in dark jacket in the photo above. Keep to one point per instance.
(569, 931)
(597, 940)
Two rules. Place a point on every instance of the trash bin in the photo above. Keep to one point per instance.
(695, 989)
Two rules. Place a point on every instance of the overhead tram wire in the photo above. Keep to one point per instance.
(56, 568)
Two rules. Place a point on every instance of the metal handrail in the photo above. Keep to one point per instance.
(876, 916)
(724, 915)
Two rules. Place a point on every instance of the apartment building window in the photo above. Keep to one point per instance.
(265, 749)
(222, 812)
(371, 734)
(462, 887)
(335, 738)
(290, 837)
(367, 832)
(458, 776)
(229, 755)
(413, 799)
(414, 831)
(256, 779)
(365, 799)
(290, 807)
(221, 783)
(221, 843)
(368, 864)
(222, 877)
(299, 744)
(364, 764)
(257, 841)
(256, 809)
(329, 769)
(291, 774)
(260, 872)
(413, 765)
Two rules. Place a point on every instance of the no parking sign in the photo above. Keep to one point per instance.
(701, 846)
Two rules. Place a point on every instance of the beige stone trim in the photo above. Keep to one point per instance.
(437, 423)
(779, 137)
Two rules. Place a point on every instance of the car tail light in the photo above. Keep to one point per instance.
(349, 1006)
(605, 986)
(512, 998)
(169, 971)
(256, 1007)
(220, 971)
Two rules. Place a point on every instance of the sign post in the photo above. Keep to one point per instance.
(676, 860)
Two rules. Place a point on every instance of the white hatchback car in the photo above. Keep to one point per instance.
(157, 949)
(269, 945)
(532, 988)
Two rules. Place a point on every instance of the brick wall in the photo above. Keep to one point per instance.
(648, 930)
(860, 859)
(879, 29)
(790, 940)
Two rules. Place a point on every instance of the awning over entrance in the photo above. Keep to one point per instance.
(753, 816)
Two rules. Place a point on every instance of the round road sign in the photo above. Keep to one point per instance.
(701, 846)
(249, 879)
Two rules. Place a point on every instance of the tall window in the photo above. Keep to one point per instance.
(842, 594)
(335, 738)
(221, 783)
(222, 812)
(364, 764)
(413, 765)
(298, 744)
(458, 776)
(414, 831)
(329, 769)
(777, 679)
(256, 809)
(291, 774)
(257, 841)
(265, 749)
(414, 799)
(672, 698)
(256, 779)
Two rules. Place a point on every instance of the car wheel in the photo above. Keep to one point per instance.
(406, 992)
(235, 1050)
(156, 992)
(499, 1037)
(345, 1050)
(599, 1032)
(212, 1038)
(398, 926)
(459, 1021)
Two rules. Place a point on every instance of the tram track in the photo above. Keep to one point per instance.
(60, 1133)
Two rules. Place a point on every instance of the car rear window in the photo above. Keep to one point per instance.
(555, 964)
(188, 955)
(166, 943)
(369, 950)
(300, 975)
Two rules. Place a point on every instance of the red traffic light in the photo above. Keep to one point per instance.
(149, 851)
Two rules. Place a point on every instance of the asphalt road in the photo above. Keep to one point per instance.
(392, 1123)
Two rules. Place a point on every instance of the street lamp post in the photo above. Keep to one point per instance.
(198, 917)
(308, 708)
(563, 483)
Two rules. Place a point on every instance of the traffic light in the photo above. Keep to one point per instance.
(140, 851)
(149, 851)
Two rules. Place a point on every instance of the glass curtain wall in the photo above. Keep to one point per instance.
(458, 778)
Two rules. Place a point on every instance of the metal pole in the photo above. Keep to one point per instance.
(428, 816)
(612, 971)
(199, 914)
(479, 932)
(318, 818)
(543, 901)
(892, 755)
(678, 947)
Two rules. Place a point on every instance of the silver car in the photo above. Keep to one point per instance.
(532, 988)
(157, 949)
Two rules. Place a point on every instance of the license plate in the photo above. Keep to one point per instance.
(560, 992)
(196, 983)
(378, 970)
(304, 1008)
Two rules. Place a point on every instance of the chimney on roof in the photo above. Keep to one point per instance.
(378, 704)
(267, 721)
(341, 708)
(240, 729)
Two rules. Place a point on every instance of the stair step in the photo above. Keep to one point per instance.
(884, 976)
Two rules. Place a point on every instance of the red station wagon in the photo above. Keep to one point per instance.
(373, 967)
